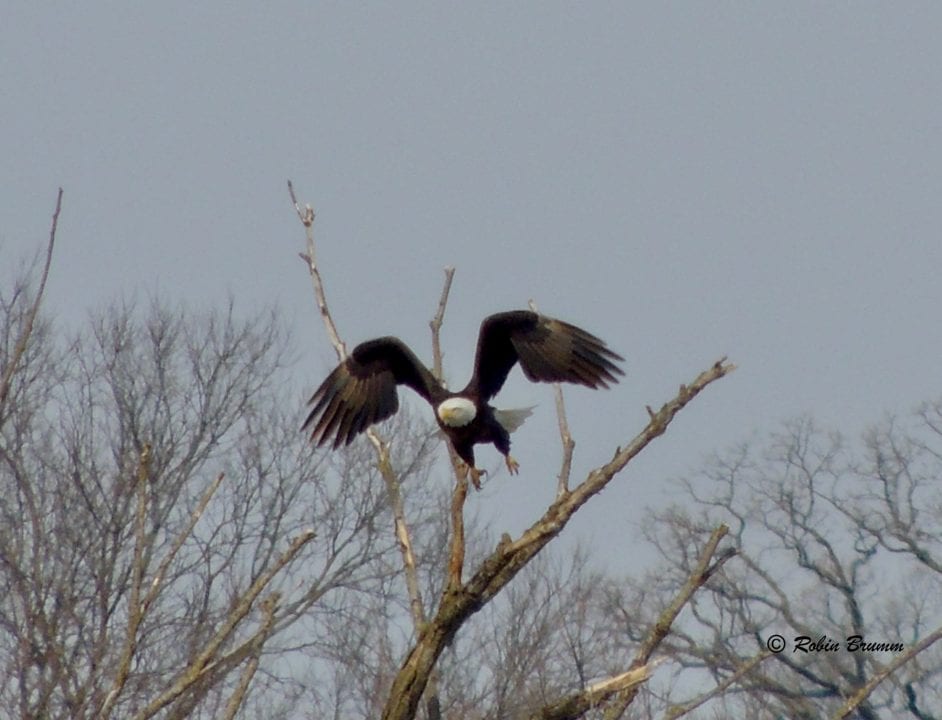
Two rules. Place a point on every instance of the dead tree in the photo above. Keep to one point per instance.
(460, 599)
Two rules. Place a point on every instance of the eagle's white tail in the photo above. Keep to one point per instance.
(512, 419)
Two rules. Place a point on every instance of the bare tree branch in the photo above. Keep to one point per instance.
(509, 557)
(27, 329)
(456, 554)
(565, 437)
(269, 606)
(306, 216)
(677, 711)
(135, 611)
(203, 663)
(381, 447)
(403, 536)
(702, 572)
(182, 536)
(460, 493)
(117, 572)
(578, 704)
(843, 547)
(436, 326)
(854, 701)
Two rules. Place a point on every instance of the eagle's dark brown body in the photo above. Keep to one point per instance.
(362, 390)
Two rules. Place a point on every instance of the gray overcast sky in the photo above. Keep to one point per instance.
(686, 180)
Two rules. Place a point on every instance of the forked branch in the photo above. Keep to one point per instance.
(306, 216)
(208, 661)
(622, 689)
(390, 479)
(702, 572)
(459, 604)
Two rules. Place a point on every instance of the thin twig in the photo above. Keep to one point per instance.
(203, 663)
(565, 437)
(135, 611)
(139, 606)
(436, 326)
(402, 532)
(181, 538)
(390, 480)
(306, 216)
(269, 606)
(858, 697)
(701, 573)
(676, 711)
(23, 339)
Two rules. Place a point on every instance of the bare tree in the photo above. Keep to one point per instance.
(839, 555)
(171, 547)
(165, 532)
(459, 600)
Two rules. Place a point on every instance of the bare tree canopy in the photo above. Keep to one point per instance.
(839, 557)
(163, 523)
(172, 546)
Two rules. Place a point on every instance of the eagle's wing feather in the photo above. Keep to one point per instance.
(362, 390)
(547, 349)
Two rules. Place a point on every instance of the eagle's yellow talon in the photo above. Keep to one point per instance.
(476, 476)
(512, 465)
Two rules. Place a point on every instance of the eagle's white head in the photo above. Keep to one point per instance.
(456, 411)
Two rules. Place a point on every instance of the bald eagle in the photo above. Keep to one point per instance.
(362, 390)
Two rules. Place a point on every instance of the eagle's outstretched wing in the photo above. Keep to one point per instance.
(547, 349)
(362, 390)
